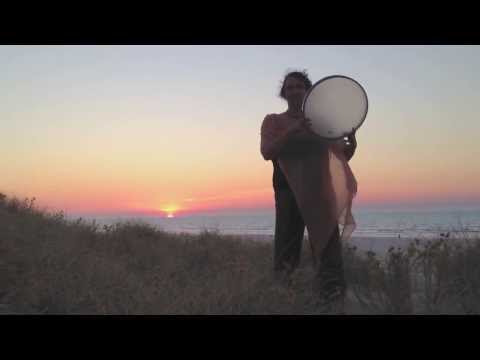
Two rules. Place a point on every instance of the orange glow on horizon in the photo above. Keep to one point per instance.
(234, 197)
(171, 209)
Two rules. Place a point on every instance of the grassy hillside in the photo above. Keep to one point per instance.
(50, 265)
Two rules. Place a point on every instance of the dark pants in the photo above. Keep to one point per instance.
(289, 234)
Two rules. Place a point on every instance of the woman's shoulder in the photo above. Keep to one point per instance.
(275, 117)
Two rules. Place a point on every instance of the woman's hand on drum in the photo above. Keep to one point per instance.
(352, 140)
(297, 126)
(301, 126)
(350, 145)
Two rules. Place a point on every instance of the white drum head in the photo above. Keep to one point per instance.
(337, 105)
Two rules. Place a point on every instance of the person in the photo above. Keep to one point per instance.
(288, 141)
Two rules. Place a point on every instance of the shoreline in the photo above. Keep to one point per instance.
(379, 245)
(376, 244)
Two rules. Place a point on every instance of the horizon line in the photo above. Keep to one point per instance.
(234, 211)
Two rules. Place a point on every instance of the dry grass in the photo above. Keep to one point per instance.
(50, 265)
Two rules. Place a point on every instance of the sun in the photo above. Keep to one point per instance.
(170, 210)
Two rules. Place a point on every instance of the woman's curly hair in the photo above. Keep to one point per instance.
(297, 74)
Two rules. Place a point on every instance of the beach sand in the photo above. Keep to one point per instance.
(379, 245)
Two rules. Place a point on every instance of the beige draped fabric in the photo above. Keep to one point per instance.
(321, 180)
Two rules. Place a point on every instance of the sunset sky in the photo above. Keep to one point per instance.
(176, 129)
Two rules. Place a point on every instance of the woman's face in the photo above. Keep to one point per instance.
(294, 90)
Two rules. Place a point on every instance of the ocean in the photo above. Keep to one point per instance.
(371, 222)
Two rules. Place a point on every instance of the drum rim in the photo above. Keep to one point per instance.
(338, 76)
